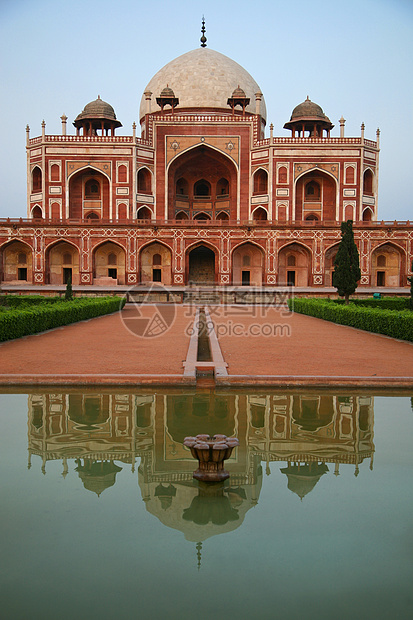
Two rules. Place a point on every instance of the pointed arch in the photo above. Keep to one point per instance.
(37, 212)
(89, 191)
(144, 180)
(155, 260)
(37, 179)
(58, 267)
(298, 274)
(104, 270)
(144, 213)
(197, 168)
(367, 215)
(329, 257)
(202, 216)
(390, 272)
(248, 260)
(259, 214)
(201, 263)
(368, 180)
(16, 262)
(260, 182)
(316, 192)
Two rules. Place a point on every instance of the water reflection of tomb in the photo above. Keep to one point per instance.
(101, 431)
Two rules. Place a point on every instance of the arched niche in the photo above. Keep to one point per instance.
(248, 265)
(196, 181)
(368, 182)
(222, 216)
(37, 213)
(144, 213)
(144, 185)
(260, 214)
(299, 273)
(62, 262)
(316, 194)
(260, 182)
(201, 264)
(329, 259)
(367, 215)
(202, 217)
(16, 262)
(181, 216)
(109, 261)
(88, 193)
(37, 180)
(156, 263)
(388, 263)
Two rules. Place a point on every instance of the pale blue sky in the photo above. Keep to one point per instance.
(354, 59)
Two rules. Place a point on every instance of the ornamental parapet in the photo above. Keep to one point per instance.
(94, 139)
(333, 141)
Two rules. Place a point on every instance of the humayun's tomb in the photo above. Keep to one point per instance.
(200, 195)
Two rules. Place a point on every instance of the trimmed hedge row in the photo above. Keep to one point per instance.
(387, 303)
(394, 323)
(16, 323)
(16, 301)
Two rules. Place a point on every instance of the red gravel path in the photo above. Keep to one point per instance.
(305, 347)
(98, 350)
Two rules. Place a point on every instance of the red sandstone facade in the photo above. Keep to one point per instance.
(200, 197)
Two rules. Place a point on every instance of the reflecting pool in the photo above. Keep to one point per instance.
(101, 518)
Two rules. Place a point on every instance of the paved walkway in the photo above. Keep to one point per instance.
(278, 348)
(254, 348)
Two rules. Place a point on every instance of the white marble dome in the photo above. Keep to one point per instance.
(203, 78)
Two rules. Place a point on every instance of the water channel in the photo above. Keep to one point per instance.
(101, 518)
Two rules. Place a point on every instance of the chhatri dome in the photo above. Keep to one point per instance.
(203, 78)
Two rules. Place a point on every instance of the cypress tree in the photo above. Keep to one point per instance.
(346, 264)
(69, 291)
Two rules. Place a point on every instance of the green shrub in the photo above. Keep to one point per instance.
(17, 301)
(24, 321)
(387, 303)
(394, 323)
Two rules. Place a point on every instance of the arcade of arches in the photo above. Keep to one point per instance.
(247, 264)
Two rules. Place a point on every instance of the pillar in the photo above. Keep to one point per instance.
(64, 122)
(342, 123)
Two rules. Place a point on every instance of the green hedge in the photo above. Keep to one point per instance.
(386, 303)
(16, 323)
(17, 301)
(394, 323)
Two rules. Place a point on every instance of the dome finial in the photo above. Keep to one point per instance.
(203, 39)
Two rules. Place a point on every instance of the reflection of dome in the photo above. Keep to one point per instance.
(302, 478)
(204, 78)
(97, 475)
(211, 505)
(180, 506)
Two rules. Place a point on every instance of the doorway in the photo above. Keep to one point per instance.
(201, 266)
